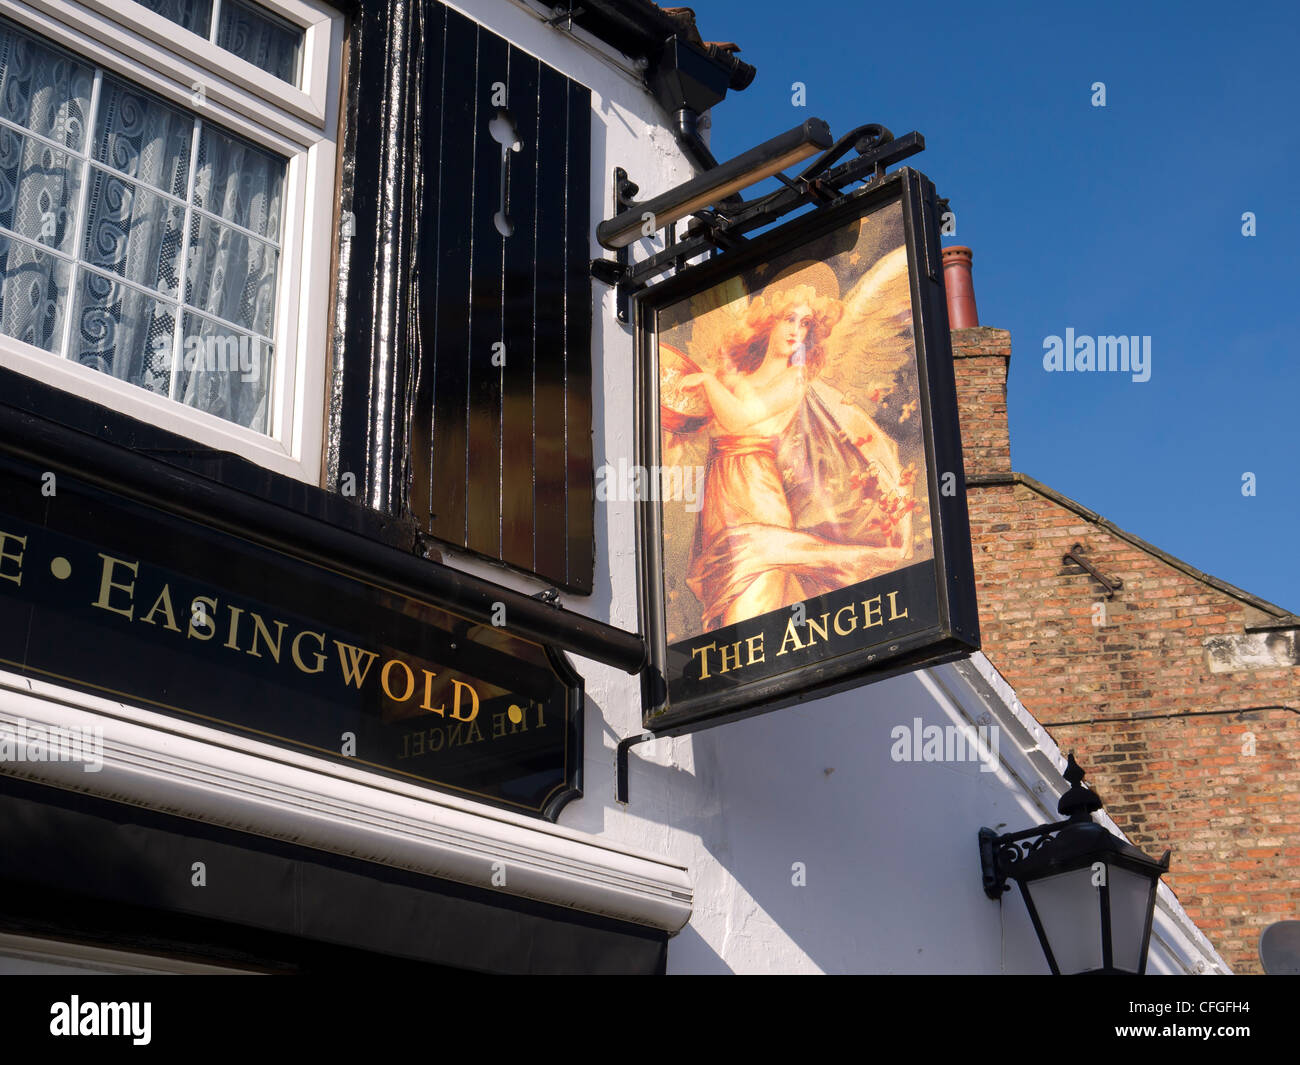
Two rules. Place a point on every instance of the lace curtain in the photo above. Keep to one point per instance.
(125, 240)
(242, 29)
(264, 42)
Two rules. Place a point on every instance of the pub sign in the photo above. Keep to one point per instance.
(803, 523)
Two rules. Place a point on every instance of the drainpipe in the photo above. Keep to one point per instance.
(687, 81)
(686, 128)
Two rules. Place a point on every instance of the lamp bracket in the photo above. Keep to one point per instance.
(722, 226)
(999, 855)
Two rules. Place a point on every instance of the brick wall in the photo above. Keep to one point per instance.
(1188, 725)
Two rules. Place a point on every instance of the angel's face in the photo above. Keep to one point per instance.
(792, 330)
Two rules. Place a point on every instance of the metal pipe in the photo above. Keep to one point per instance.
(686, 128)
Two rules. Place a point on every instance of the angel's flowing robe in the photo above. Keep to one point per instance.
(787, 517)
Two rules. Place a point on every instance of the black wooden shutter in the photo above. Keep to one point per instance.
(493, 458)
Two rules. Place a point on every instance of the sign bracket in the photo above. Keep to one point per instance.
(720, 227)
(621, 763)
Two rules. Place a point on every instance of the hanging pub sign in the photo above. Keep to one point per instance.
(803, 524)
(104, 593)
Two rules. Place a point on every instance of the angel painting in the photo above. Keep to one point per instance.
(804, 491)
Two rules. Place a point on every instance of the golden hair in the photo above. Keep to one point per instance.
(746, 348)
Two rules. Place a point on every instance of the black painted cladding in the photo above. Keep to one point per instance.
(492, 458)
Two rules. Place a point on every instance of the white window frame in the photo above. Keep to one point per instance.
(301, 124)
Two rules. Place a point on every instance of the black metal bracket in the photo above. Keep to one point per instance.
(563, 16)
(1000, 854)
(621, 763)
(1110, 584)
(614, 272)
(722, 226)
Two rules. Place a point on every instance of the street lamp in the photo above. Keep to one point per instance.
(1090, 895)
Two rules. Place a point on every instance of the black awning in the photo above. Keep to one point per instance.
(80, 868)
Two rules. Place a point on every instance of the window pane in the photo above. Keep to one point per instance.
(262, 39)
(143, 137)
(123, 332)
(194, 15)
(239, 182)
(226, 372)
(231, 275)
(44, 90)
(39, 186)
(33, 294)
(133, 232)
(167, 198)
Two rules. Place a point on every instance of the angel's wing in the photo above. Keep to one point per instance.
(874, 338)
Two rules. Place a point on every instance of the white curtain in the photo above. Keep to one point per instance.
(124, 311)
(263, 41)
(47, 93)
(195, 15)
(244, 29)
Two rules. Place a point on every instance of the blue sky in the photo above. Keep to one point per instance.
(1123, 219)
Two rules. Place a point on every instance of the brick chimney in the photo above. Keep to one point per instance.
(981, 357)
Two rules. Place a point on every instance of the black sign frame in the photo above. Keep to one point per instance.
(953, 632)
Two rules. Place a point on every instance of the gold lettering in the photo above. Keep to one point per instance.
(16, 577)
(107, 586)
(703, 652)
(260, 629)
(755, 656)
(871, 609)
(852, 615)
(320, 654)
(458, 686)
(894, 615)
(164, 600)
(352, 672)
(432, 733)
(410, 680)
(820, 630)
(441, 711)
(735, 657)
(233, 641)
(208, 617)
(791, 636)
